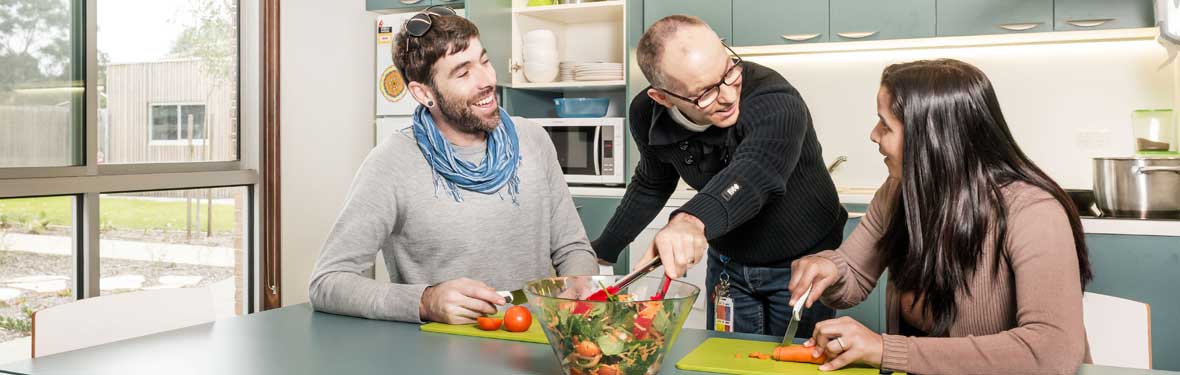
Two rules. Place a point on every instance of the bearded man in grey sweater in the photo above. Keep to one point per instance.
(465, 202)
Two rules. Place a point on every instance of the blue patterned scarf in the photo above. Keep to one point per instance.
(498, 169)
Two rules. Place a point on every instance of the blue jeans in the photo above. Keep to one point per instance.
(760, 299)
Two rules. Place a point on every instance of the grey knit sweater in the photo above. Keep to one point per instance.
(426, 237)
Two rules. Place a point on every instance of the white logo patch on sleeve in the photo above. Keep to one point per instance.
(731, 191)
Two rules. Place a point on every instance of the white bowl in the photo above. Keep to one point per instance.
(540, 41)
(540, 57)
(540, 72)
(546, 53)
(540, 36)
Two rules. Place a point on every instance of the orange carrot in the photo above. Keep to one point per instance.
(797, 353)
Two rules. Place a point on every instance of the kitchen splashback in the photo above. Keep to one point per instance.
(1065, 103)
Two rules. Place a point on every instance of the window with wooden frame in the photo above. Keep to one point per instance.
(133, 152)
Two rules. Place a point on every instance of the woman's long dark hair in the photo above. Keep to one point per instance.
(957, 156)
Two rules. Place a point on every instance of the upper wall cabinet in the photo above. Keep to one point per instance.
(874, 19)
(394, 4)
(769, 22)
(397, 5)
(976, 17)
(1102, 14)
(717, 13)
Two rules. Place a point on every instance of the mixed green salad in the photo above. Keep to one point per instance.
(620, 336)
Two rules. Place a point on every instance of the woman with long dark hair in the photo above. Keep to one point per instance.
(986, 256)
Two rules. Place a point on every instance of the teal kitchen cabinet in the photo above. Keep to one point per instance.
(1143, 269)
(596, 213)
(853, 20)
(1102, 14)
(979, 17)
(383, 5)
(376, 5)
(870, 312)
(769, 22)
(717, 13)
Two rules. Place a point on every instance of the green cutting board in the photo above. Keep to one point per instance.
(533, 335)
(717, 355)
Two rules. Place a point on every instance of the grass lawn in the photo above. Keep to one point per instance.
(116, 212)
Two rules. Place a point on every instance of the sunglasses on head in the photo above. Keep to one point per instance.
(420, 23)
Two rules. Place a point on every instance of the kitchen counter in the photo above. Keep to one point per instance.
(1090, 224)
(862, 196)
(296, 340)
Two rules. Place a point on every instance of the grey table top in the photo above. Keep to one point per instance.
(297, 340)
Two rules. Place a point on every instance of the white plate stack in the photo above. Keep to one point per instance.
(566, 70)
(598, 71)
(540, 56)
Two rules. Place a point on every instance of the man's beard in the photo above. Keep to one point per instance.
(460, 115)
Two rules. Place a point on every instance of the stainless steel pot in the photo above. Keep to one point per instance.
(1138, 187)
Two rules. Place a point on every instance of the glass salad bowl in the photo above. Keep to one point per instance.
(627, 334)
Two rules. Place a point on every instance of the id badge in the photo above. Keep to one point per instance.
(723, 321)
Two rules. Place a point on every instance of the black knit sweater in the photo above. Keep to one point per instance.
(764, 193)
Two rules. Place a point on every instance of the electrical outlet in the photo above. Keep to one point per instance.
(1092, 139)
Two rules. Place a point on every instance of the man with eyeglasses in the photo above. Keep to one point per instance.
(464, 202)
(742, 136)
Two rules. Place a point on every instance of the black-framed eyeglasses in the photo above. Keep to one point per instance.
(731, 77)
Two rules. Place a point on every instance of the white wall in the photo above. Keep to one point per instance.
(1053, 97)
(327, 93)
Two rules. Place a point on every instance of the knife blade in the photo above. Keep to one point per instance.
(514, 297)
(796, 314)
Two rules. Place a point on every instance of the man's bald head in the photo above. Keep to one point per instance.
(673, 35)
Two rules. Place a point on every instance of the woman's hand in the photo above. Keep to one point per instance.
(844, 340)
(815, 272)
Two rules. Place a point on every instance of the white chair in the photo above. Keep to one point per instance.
(1119, 331)
(100, 320)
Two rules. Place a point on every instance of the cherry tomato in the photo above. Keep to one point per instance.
(517, 319)
(608, 370)
(587, 348)
(488, 323)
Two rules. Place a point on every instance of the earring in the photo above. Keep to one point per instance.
(430, 103)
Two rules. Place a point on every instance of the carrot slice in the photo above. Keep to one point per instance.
(797, 353)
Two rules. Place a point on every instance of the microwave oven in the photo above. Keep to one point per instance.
(590, 150)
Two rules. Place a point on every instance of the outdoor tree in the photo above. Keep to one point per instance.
(35, 44)
(212, 38)
(36, 49)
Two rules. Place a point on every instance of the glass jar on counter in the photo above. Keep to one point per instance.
(1155, 132)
